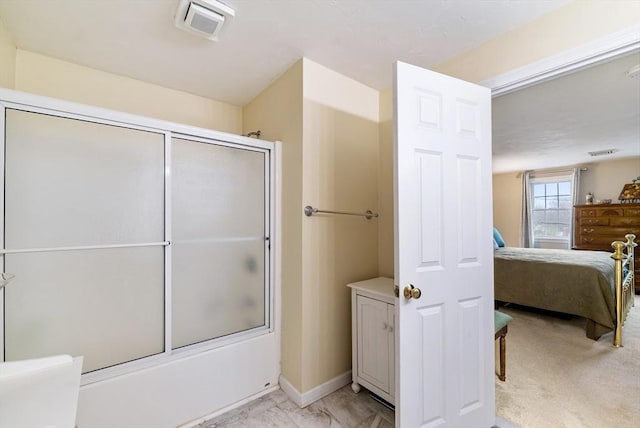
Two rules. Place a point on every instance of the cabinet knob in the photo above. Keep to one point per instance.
(412, 292)
(588, 231)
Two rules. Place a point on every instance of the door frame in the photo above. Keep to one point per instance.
(594, 52)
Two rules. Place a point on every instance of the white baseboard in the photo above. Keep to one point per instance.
(303, 400)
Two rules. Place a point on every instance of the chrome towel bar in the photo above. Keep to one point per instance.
(309, 211)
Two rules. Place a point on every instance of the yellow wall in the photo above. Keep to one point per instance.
(567, 27)
(385, 186)
(329, 128)
(7, 59)
(277, 113)
(605, 179)
(340, 172)
(51, 77)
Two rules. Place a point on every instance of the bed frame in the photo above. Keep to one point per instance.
(624, 282)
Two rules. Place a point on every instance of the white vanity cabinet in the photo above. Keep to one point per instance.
(373, 319)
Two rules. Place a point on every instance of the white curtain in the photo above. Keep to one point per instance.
(527, 234)
(575, 190)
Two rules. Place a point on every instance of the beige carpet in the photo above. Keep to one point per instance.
(557, 377)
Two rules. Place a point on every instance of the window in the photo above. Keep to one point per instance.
(551, 210)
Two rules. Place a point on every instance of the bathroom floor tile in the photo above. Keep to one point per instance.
(341, 409)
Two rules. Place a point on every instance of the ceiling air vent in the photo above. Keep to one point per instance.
(603, 152)
(204, 18)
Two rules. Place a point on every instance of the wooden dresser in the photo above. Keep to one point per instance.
(597, 226)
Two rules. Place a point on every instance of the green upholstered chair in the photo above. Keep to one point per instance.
(501, 322)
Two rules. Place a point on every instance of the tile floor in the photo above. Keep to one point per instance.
(341, 409)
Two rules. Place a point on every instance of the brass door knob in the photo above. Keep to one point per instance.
(412, 292)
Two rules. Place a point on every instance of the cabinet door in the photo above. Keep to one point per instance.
(374, 342)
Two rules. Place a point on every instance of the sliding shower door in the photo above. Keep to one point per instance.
(83, 233)
(220, 242)
(130, 244)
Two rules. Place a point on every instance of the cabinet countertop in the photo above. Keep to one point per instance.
(381, 286)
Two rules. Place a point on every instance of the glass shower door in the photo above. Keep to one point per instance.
(220, 244)
(83, 233)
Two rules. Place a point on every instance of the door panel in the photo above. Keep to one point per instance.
(468, 189)
(432, 363)
(443, 247)
(373, 364)
(430, 190)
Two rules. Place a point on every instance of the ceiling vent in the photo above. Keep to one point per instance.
(204, 18)
(603, 152)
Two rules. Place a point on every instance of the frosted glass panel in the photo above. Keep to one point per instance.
(218, 289)
(218, 191)
(107, 305)
(71, 182)
(218, 246)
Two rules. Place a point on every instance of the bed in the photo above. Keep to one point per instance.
(582, 283)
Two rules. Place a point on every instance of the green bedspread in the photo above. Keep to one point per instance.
(573, 282)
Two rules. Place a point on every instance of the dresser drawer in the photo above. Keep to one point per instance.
(587, 212)
(609, 212)
(632, 212)
(597, 241)
(625, 221)
(594, 221)
(613, 233)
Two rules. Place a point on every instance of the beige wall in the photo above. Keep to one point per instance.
(507, 206)
(340, 172)
(328, 125)
(51, 77)
(277, 113)
(385, 186)
(7, 59)
(567, 27)
(605, 179)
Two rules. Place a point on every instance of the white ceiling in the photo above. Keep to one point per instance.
(357, 38)
(558, 122)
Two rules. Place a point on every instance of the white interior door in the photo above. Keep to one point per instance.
(443, 230)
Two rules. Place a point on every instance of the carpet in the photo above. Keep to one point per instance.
(557, 377)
